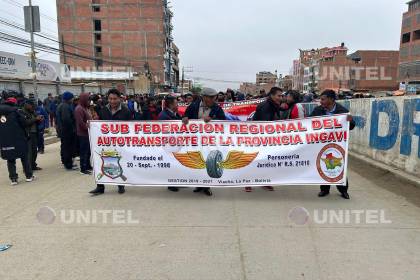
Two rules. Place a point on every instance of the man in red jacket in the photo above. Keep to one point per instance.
(82, 116)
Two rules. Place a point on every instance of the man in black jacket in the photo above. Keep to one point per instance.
(31, 125)
(170, 113)
(206, 109)
(329, 107)
(66, 130)
(114, 111)
(272, 109)
(14, 140)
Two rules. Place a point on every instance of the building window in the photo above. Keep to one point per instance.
(98, 50)
(406, 38)
(406, 22)
(416, 35)
(96, 8)
(97, 25)
(98, 38)
(99, 63)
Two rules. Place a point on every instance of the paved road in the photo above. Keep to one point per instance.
(234, 235)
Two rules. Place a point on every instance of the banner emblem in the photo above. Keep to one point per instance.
(330, 163)
(111, 166)
(215, 163)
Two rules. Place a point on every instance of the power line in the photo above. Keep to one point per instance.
(20, 27)
(22, 19)
(5, 37)
(19, 5)
(216, 80)
(122, 60)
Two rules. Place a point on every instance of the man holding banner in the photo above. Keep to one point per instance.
(206, 109)
(170, 112)
(330, 107)
(115, 111)
(270, 110)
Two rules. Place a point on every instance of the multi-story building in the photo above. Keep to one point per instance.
(332, 68)
(116, 34)
(175, 65)
(287, 82)
(373, 71)
(264, 81)
(296, 75)
(409, 64)
(302, 81)
(266, 78)
(329, 71)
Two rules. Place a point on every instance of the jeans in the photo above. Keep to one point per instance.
(41, 144)
(84, 153)
(11, 167)
(52, 119)
(33, 149)
(67, 150)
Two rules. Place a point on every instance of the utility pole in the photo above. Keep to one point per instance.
(32, 25)
(63, 49)
(33, 54)
(189, 69)
(182, 83)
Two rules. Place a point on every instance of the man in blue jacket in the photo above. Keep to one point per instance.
(42, 125)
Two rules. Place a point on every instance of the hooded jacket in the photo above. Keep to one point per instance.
(66, 126)
(14, 139)
(82, 116)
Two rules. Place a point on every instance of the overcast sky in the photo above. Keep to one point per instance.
(232, 40)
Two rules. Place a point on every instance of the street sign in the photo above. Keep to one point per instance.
(32, 23)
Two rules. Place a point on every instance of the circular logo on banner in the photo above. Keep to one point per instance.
(330, 163)
(3, 119)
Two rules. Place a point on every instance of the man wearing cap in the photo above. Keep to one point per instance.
(14, 140)
(195, 92)
(330, 107)
(114, 111)
(31, 125)
(206, 109)
(66, 130)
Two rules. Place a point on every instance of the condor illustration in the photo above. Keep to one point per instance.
(215, 163)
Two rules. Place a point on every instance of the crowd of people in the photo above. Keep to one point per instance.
(23, 121)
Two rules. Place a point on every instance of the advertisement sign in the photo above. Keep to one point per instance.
(14, 66)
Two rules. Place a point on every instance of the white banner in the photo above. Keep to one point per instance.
(19, 67)
(223, 154)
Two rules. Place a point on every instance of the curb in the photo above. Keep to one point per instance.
(404, 176)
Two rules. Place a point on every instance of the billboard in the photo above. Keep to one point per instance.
(14, 66)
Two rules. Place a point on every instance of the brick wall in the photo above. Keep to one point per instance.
(132, 33)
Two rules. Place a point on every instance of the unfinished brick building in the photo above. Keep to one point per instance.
(118, 33)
